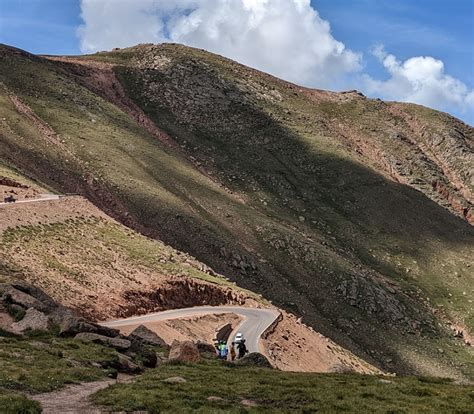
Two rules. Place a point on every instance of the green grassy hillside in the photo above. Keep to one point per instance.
(212, 388)
(339, 208)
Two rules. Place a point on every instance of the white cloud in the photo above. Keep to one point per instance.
(287, 38)
(422, 80)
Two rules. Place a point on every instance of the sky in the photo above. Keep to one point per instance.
(413, 51)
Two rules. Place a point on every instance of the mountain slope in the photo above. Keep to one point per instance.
(351, 212)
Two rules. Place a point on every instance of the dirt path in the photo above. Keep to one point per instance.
(74, 399)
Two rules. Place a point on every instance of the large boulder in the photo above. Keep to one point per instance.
(14, 296)
(142, 354)
(255, 359)
(206, 350)
(48, 302)
(185, 351)
(147, 336)
(33, 319)
(70, 324)
(126, 365)
(118, 343)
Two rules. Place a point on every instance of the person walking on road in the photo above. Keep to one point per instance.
(224, 350)
(232, 351)
(242, 348)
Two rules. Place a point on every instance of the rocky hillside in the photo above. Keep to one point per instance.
(351, 212)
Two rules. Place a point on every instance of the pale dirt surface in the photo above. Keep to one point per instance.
(74, 399)
(18, 193)
(293, 346)
(196, 328)
(46, 212)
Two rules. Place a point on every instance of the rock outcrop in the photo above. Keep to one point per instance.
(33, 320)
(146, 336)
(255, 359)
(118, 343)
(35, 310)
(185, 351)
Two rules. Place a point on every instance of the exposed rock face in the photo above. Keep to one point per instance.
(70, 324)
(33, 319)
(18, 297)
(185, 351)
(180, 293)
(146, 336)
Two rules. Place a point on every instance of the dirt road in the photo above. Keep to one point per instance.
(254, 323)
(42, 197)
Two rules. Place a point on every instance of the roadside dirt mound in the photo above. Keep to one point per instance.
(293, 346)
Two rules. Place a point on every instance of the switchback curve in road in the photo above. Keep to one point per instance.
(255, 320)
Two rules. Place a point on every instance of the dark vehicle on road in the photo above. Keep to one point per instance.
(9, 199)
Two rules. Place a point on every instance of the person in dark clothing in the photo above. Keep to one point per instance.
(242, 348)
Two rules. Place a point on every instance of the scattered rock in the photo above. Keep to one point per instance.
(185, 351)
(39, 345)
(248, 403)
(47, 303)
(341, 368)
(255, 359)
(175, 380)
(214, 398)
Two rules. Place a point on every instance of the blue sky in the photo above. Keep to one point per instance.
(443, 29)
(409, 30)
